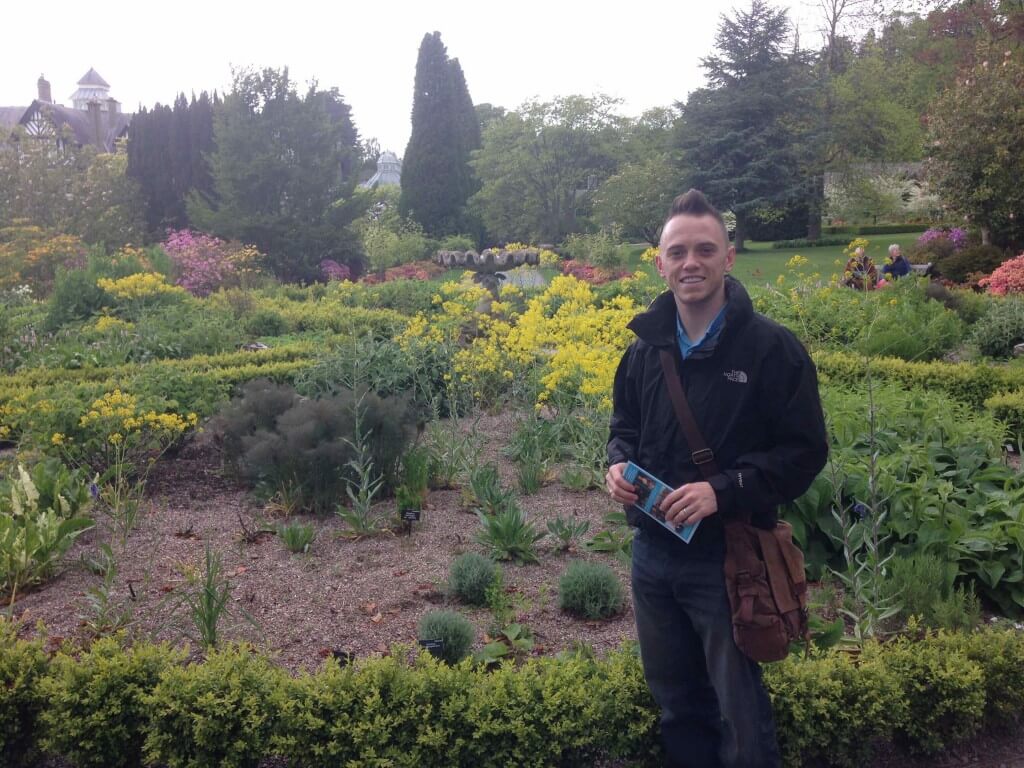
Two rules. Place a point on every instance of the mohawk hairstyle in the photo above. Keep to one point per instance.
(694, 203)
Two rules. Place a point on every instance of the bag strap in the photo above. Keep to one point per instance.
(702, 456)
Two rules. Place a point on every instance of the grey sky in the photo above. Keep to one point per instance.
(645, 52)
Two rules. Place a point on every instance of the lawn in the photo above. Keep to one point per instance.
(760, 263)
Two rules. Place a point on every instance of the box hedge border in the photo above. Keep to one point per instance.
(236, 707)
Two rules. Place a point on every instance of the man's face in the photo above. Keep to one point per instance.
(693, 257)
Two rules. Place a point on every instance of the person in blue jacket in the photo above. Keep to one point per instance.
(897, 266)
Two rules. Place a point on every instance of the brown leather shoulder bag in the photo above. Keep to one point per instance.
(764, 570)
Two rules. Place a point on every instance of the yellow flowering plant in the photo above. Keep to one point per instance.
(121, 440)
(135, 293)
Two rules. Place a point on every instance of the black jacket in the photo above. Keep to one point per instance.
(754, 395)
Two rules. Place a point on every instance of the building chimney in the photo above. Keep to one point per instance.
(44, 90)
(113, 109)
(95, 119)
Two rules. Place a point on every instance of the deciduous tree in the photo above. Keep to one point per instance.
(977, 144)
(284, 171)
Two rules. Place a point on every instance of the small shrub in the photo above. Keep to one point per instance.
(266, 322)
(470, 576)
(22, 665)
(509, 535)
(1000, 328)
(945, 693)
(76, 296)
(452, 629)
(94, 713)
(829, 711)
(977, 258)
(296, 537)
(590, 590)
(219, 712)
(922, 585)
(275, 439)
(600, 249)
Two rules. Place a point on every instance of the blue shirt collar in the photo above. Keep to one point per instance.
(687, 347)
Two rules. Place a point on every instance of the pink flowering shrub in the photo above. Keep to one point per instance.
(332, 270)
(1008, 277)
(204, 264)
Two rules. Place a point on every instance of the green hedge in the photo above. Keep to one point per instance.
(971, 383)
(875, 229)
(108, 706)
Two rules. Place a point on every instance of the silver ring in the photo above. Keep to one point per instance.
(684, 510)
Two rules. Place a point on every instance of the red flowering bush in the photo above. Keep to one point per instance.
(204, 264)
(1008, 277)
(588, 273)
(416, 270)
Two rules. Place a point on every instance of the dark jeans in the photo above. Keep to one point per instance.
(715, 712)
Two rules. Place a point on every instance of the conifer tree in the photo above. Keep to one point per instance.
(436, 176)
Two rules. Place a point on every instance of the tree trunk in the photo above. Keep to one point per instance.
(986, 236)
(740, 235)
(815, 203)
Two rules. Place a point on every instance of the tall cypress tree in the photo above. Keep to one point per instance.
(166, 148)
(436, 176)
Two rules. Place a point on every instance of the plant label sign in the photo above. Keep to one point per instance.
(411, 515)
(434, 647)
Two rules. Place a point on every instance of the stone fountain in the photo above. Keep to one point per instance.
(488, 266)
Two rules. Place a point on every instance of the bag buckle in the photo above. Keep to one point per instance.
(703, 456)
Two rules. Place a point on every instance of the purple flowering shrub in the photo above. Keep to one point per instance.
(204, 264)
(957, 236)
(332, 270)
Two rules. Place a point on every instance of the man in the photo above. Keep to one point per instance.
(754, 394)
(898, 265)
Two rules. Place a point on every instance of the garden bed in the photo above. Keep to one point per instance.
(358, 595)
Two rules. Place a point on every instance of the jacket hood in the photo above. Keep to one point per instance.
(657, 324)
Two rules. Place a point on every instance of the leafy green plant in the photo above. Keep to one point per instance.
(530, 473)
(513, 641)
(367, 484)
(451, 451)
(576, 477)
(452, 629)
(487, 491)
(509, 535)
(207, 595)
(104, 614)
(616, 540)
(923, 584)
(296, 537)
(32, 539)
(415, 474)
(469, 577)
(1000, 328)
(499, 601)
(567, 531)
(590, 590)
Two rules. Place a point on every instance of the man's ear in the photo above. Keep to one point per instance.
(730, 258)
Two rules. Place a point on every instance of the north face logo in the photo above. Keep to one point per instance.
(740, 377)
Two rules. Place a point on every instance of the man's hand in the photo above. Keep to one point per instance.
(618, 487)
(689, 503)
